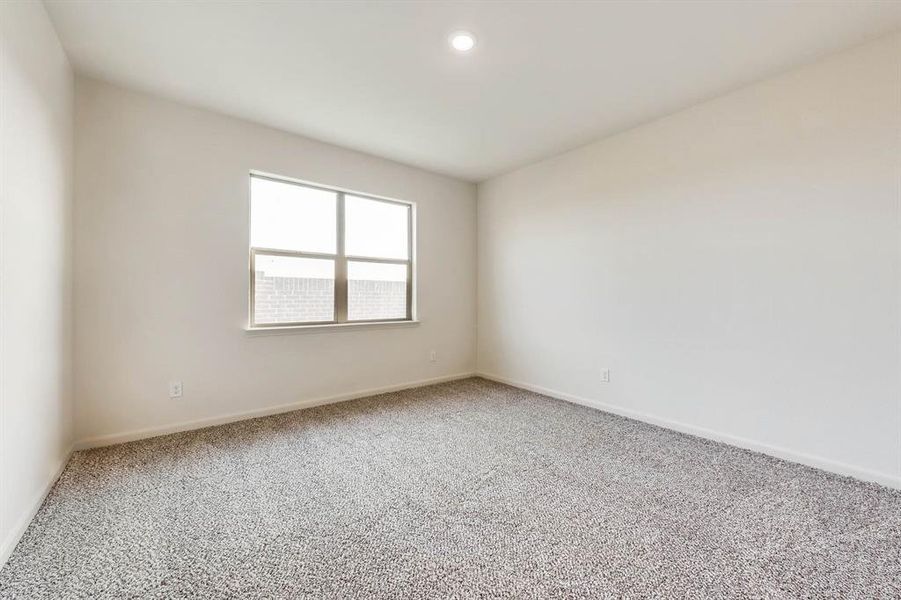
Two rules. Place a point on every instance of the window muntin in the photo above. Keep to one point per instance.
(322, 256)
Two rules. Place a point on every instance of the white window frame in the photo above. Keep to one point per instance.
(340, 258)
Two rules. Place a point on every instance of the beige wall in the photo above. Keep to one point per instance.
(736, 266)
(161, 269)
(35, 263)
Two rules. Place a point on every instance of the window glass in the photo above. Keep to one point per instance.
(285, 216)
(376, 229)
(290, 289)
(376, 291)
(308, 270)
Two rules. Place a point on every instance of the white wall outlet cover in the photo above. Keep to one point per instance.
(175, 389)
(433, 356)
(605, 375)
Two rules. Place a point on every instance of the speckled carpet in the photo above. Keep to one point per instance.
(468, 489)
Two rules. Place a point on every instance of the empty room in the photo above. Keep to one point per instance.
(450, 299)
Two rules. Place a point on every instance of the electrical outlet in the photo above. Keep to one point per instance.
(175, 389)
(605, 375)
(433, 356)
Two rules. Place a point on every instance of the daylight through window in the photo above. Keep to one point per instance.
(324, 256)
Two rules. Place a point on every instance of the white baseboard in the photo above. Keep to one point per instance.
(809, 460)
(139, 434)
(13, 537)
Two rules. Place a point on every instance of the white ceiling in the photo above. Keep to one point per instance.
(380, 77)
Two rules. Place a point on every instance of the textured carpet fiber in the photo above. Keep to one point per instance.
(466, 489)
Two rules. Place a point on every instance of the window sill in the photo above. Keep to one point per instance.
(329, 328)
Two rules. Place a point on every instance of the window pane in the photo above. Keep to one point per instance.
(375, 229)
(376, 291)
(284, 216)
(290, 289)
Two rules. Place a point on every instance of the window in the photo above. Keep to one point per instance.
(323, 256)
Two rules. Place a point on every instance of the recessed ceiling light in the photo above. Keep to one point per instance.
(462, 41)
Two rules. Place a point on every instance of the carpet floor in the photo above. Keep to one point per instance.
(468, 489)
